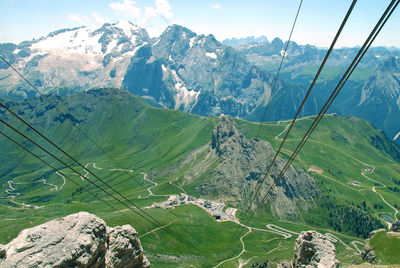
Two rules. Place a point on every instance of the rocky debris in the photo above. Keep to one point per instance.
(2, 252)
(312, 249)
(368, 254)
(395, 226)
(77, 240)
(284, 264)
(241, 167)
(260, 265)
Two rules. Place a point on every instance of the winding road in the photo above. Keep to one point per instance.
(12, 194)
(151, 187)
(373, 189)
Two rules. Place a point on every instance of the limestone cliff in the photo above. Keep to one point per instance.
(232, 166)
(77, 240)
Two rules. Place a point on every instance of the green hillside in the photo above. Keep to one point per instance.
(344, 156)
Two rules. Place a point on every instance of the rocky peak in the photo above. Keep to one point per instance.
(241, 167)
(277, 44)
(226, 136)
(77, 240)
(391, 64)
(312, 249)
(395, 226)
(176, 31)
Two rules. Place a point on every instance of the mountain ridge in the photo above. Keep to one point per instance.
(198, 74)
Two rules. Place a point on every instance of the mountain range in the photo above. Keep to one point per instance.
(198, 74)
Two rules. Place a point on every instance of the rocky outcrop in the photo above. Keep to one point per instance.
(78, 240)
(368, 254)
(395, 226)
(234, 167)
(312, 249)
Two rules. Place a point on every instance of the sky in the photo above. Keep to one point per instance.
(318, 20)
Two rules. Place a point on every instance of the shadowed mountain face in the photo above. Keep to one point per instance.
(198, 74)
(380, 97)
(372, 92)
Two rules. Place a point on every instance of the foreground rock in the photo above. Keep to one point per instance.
(395, 226)
(78, 240)
(312, 249)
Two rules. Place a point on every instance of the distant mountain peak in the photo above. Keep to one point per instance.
(235, 42)
(390, 64)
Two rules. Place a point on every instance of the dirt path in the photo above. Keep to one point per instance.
(151, 187)
(158, 228)
(12, 194)
(396, 211)
(241, 253)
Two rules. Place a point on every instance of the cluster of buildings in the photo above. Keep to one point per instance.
(215, 209)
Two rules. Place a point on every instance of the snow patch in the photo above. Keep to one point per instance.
(126, 27)
(396, 136)
(158, 41)
(183, 95)
(77, 41)
(164, 69)
(211, 55)
(191, 42)
(111, 45)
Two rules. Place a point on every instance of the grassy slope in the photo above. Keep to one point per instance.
(386, 246)
(143, 138)
(340, 147)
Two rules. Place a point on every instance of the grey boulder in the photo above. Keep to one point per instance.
(312, 249)
(77, 240)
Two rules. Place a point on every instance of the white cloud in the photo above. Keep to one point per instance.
(82, 20)
(149, 12)
(162, 8)
(329, 35)
(128, 7)
(98, 20)
(217, 7)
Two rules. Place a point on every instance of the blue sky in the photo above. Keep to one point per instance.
(318, 20)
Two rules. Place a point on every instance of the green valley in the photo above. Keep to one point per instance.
(355, 168)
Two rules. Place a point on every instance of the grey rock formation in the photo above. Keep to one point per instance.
(312, 249)
(232, 166)
(395, 226)
(368, 254)
(124, 249)
(284, 264)
(2, 252)
(78, 240)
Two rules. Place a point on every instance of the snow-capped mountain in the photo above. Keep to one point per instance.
(66, 59)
